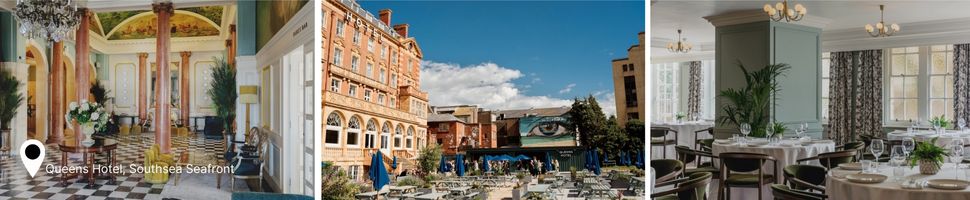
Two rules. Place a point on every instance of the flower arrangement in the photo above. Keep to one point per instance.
(928, 156)
(940, 121)
(779, 128)
(87, 114)
(680, 116)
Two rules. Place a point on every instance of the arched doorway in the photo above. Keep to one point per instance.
(37, 92)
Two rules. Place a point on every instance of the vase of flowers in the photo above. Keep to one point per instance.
(928, 156)
(939, 123)
(90, 116)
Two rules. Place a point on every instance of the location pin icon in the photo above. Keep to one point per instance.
(32, 155)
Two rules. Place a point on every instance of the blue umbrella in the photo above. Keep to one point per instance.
(378, 174)
(623, 158)
(596, 163)
(606, 158)
(485, 165)
(394, 163)
(442, 166)
(640, 161)
(589, 160)
(460, 165)
(506, 157)
(548, 163)
(522, 157)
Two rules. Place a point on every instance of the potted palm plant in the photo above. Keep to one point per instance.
(10, 100)
(752, 103)
(928, 156)
(223, 93)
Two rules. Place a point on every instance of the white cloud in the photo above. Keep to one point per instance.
(567, 89)
(607, 101)
(486, 84)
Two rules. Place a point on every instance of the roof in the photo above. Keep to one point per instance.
(443, 118)
(465, 110)
(555, 111)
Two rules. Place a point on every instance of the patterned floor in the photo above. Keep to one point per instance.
(15, 183)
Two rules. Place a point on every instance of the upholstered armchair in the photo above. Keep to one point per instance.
(249, 161)
(153, 158)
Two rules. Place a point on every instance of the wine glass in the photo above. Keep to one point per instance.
(876, 148)
(897, 160)
(961, 123)
(908, 145)
(912, 128)
(770, 131)
(956, 153)
(745, 130)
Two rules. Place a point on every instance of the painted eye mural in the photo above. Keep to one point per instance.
(547, 128)
(538, 131)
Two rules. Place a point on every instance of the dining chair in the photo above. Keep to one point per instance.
(832, 159)
(666, 169)
(855, 145)
(692, 188)
(708, 130)
(251, 166)
(705, 144)
(658, 136)
(805, 177)
(688, 156)
(783, 192)
(745, 164)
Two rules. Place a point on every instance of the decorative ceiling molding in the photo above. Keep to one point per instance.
(671, 58)
(662, 43)
(755, 15)
(949, 31)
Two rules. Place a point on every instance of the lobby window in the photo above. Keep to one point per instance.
(826, 66)
(356, 37)
(352, 90)
(335, 85)
(337, 58)
(380, 99)
(353, 63)
(333, 129)
(340, 28)
(409, 137)
(369, 70)
(353, 131)
(941, 81)
(904, 85)
(370, 44)
(367, 95)
(383, 77)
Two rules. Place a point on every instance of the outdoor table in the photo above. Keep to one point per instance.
(371, 194)
(398, 190)
(459, 191)
(685, 135)
(927, 135)
(838, 188)
(599, 191)
(100, 145)
(432, 196)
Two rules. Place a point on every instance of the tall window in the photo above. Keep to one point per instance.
(394, 58)
(333, 129)
(352, 91)
(380, 99)
(394, 80)
(340, 28)
(354, 172)
(353, 131)
(369, 70)
(353, 63)
(666, 101)
(383, 77)
(409, 137)
(826, 62)
(334, 85)
(385, 135)
(370, 44)
(941, 81)
(367, 95)
(336, 56)
(356, 37)
(393, 102)
(370, 134)
(904, 85)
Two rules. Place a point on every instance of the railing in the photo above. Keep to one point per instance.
(340, 71)
(359, 105)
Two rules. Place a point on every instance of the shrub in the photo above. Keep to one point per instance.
(410, 181)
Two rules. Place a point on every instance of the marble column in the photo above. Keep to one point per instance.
(143, 87)
(184, 89)
(82, 68)
(164, 11)
(57, 94)
(231, 45)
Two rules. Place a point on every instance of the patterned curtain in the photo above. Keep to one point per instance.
(694, 87)
(868, 99)
(840, 97)
(961, 81)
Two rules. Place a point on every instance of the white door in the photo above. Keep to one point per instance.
(293, 121)
(308, 124)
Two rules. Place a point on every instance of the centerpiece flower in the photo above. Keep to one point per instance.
(91, 117)
(928, 156)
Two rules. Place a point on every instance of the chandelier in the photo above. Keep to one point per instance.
(782, 11)
(50, 19)
(881, 30)
(680, 46)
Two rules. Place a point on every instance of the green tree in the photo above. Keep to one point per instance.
(637, 133)
(223, 92)
(10, 98)
(429, 157)
(336, 184)
(613, 140)
(586, 117)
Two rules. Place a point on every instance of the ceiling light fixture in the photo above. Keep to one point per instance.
(881, 29)
(53, 20)
(781, 11)
(680, 46)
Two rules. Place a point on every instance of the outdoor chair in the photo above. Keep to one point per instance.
(658, 137)
(745, 163)
(783, 192)
(692, 188)
(805, 177)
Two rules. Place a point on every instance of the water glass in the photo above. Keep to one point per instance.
(908, 145)
(876, 147)
(866, 166)
(745, 129)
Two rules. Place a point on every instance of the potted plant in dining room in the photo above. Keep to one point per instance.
(90, 116)
(928, 156)
(223, 94)
(10, 100)
(939, 123)
(752, 103)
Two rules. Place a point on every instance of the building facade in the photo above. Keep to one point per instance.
(457, 128)
(628, 83)
(371, 94)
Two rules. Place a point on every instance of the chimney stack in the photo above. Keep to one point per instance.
(402, 29)
(385, 16)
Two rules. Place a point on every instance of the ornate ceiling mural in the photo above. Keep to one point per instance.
(141, 24)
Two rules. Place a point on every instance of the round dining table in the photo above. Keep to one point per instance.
(685, 135)
(943, 139)
(786, 153)
(839, 188)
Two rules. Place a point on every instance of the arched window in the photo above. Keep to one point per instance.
(397, 136)
(353, 131)
(385, 135)
(370, 133)
(333, 128)
(408, 139)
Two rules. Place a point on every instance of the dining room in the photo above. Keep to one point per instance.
(809, 99)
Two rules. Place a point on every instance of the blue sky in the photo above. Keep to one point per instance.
(519, 54)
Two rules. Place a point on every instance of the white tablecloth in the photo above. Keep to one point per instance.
(785, 155)
(840, 188)
(685, 136)
(927, 135)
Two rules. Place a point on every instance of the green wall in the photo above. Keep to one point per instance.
(246, 28)
(757, 44)
(8, 37)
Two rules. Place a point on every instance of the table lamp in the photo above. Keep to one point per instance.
(248, 94)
